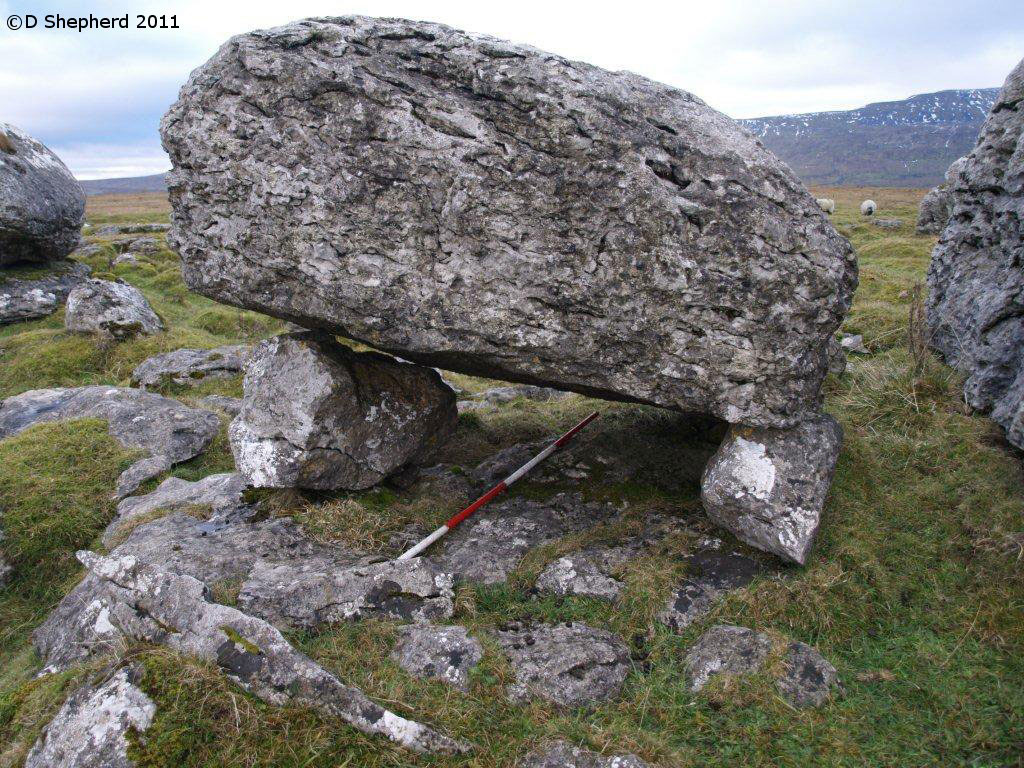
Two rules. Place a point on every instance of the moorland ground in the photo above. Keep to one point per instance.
(915, 590)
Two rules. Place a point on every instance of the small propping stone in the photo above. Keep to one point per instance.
(445, 653)
(768, 486)
(91, 728)
(562, 754)
(116, 310)
(317, 414)
(189, 366)
(571, 666)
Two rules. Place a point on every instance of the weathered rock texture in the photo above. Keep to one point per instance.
(562, 754)
(116, 310)
(188, 366)
(438, 653)
(41, 205)
(936, 206)
(317, 414)
(166, 430)
(495, 210)
(976, 276)
(32, 298)
(768, 486)
(91, 728)
(711, 575)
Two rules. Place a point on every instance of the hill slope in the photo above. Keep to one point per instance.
(907, 143)
(126, 186)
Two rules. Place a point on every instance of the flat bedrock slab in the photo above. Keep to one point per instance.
(562, 754)
(445, 653)
(492, 209)
(32, 298)
(189, 366)
(711, 576)
(168, 431)
(41, 205)
(768, 486)
(975, 281)
(317, 414)
(116, 310)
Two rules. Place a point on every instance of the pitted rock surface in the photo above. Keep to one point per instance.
(445, 653)
(42, 207)
(937, 206)
(809, 679)
(91, 728)
(317, 414)
(496, 210)
(189, 366)
(726, 649)
(116, 310)
(578, 575)
(32, 298)
(163, 428)
(570, 664)
(711, 575)
(306, 594)
(161, 607)
(768, 486)
(562, 754)
(488, 546)
(975, 279)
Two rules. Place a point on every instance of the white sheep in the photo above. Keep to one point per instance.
(827, 204)
(868, 207)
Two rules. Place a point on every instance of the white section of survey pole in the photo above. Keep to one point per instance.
(425, 543)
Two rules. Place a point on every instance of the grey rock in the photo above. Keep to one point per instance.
(809, 679)
(87, 251)
(975, 282)
(487, 547)
(142, 245)
(853, 343)
(441, 653)
(116, 310)
(578, 575)
(726, 649)
(29, 299)
(502, 395)
(317, 414)
(169, 609)
(166, 430)
(125, 258)
(837, 359)
(188, 366)
(91, 728)
(130, 229)
(711, 575)
(562, 754)
(232, 406)
(306, 594)
(768, 486)
(569, 665)
(934, 211)
(495, 210)
(888, 223)
(42, 207)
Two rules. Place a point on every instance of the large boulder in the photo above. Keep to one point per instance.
(317, 414)
(496, 210)
(114, 310)
(976, 279)
(189, 366)
(42, 207)
(936, 205)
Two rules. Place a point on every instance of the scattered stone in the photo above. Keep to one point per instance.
(464, 406)
(87, 251)
(124, 258)
(502, 395)
(487, 548)
(809, 678)
(569, 665)
(307, 595)
(317, 414)
(726, 649)
(232, 406)
(578, 575)
(711, 575)
(188, 366)
(837, 358)
(438, 653)
(91, 728)
(853, 343)
(43, 206)
(166, 430)
(888, 223)
(768, 486)
(161, 607)
(116, 310)
(142, 245)
(575, 200)
(975, 280)
(29, 299)
(562, 754)
(130, 229)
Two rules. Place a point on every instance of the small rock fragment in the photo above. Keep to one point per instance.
(809, 678)
(577, 575)
(726, 649)
(230, 405)
(853, 343)
(188, 366)
(712, 575)
(445, 653)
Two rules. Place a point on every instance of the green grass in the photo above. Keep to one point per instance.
(915, 590)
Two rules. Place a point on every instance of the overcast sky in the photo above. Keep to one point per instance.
(96, 97)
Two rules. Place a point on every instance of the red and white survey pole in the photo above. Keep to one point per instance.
(497, 490)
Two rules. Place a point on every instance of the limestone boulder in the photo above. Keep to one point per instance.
(39, 296)
(189, 366)
(116, 310)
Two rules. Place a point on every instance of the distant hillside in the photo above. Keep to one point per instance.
(127, 186)
(907, 143)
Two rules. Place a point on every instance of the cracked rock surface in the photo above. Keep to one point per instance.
(116, 310)
(91, 728)
(445, 653)
(711, 576)
(317, 414)
(42, 207)
(570, 664)
(32, 298)
(768, 486)
(188, 366)
(499, 211)
(562, 754)
(975, 280)
(167, 430)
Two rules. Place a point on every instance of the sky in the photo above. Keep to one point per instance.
(96, 97)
